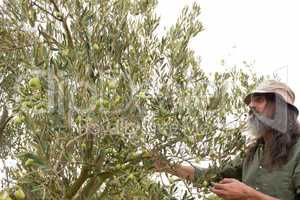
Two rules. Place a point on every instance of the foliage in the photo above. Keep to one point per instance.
(89, 90)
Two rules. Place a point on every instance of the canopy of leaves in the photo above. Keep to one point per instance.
(89, 91)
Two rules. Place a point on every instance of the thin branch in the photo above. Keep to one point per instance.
(4, 120)
(65, 25)
(14, 48)
(46, 11)
(47, 37)
(71, 142)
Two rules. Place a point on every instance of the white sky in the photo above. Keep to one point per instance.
(264, 31)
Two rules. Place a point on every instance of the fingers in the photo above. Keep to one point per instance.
(160, 165)
(218, 186)
(219, 189)
(218, 192)
(229, 188)
(222, 183)
(227, 180)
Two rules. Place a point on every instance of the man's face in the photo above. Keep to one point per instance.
(260, 104)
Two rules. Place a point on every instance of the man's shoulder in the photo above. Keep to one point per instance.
(296, 147)
(297, 143)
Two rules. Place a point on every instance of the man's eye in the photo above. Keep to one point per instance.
(259, 99)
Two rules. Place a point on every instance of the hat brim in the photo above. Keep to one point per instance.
(247, 99)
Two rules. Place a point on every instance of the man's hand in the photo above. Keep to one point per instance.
(161, 165)
(231, 189)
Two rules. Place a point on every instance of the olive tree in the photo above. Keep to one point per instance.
(90, 92)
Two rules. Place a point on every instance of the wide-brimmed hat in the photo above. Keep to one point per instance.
(274, 87)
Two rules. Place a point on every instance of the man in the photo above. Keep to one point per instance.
(271, 167)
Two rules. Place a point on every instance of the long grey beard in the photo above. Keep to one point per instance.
(256, 128)
(279, 119)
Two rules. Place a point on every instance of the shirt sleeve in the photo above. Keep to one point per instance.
(232, 169)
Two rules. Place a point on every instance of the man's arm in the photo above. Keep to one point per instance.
(198, 174)
(181, 171)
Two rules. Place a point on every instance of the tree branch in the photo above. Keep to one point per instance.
(84, 174)
(4, 120)
(65, 25)
(78, 183)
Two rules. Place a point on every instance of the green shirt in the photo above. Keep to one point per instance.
(282, 183)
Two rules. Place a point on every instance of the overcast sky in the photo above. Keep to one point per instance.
(266, 32)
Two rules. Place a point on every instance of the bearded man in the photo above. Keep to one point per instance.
(271, 168)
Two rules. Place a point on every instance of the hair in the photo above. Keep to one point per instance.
(280, 146)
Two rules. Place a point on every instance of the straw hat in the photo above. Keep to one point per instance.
(274, 87)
